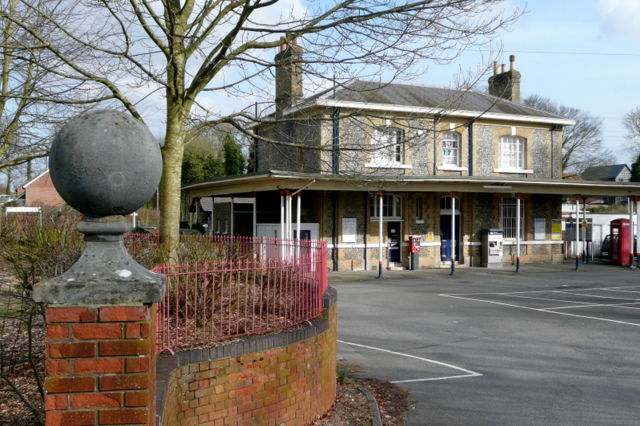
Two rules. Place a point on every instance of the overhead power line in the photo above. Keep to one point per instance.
(546, 52)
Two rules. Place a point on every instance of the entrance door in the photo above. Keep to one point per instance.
(394, 238)
(445, 237)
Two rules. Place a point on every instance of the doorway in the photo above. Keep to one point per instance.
(446, 227)
(394, 232)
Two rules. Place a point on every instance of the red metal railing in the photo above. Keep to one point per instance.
(257, 285)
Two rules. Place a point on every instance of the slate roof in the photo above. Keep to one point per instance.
(610, 172)
(414, 95)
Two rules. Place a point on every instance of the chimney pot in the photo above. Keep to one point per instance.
(496, 67)
(504, 68)
(512, 62)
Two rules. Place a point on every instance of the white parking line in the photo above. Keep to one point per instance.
(469, 373)
(535, 309)
(547, 299)
(596, 305)
(596, 296)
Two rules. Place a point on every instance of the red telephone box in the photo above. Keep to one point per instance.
(619, 242)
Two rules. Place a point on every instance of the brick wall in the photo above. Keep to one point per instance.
(285, 379)
(41, 192)
(100, 365)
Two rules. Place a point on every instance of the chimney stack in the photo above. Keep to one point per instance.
(288, 75)
(506, 85)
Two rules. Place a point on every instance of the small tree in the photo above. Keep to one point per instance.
(233, 160)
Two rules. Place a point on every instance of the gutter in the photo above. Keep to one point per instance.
(330, 103)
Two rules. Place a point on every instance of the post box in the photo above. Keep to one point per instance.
(619, 242)
(414, 244)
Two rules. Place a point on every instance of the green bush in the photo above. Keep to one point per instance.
(35, 251)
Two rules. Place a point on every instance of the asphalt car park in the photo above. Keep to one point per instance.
(547, 345)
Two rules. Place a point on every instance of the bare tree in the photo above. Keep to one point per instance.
(180, 58)
(33, 100)
(631, 123)
(581, 144)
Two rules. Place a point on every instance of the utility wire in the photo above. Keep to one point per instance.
(545, 52)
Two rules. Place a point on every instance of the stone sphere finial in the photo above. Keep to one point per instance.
(105, 163)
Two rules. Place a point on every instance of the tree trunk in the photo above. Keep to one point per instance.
(171, 183)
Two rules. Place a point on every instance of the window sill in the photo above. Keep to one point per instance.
(387, 166)
(453, 168)
(527, 171)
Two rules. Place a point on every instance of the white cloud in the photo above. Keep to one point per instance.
(620, 17)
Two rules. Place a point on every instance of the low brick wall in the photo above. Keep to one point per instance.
(287, 378)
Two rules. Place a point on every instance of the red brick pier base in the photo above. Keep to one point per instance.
(100, 365)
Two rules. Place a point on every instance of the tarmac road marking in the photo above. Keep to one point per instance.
(597, 305)
(468, 373)
(547, 310)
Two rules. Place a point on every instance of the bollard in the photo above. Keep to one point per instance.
(100, 351)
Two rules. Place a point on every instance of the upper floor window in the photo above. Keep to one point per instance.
(388, 149)
(450, 148)
(512, 153)
(391, 207)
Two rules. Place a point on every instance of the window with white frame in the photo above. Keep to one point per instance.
(391, 207)
(508, 207)
(388, 149)
(512, 152)
(450, 148)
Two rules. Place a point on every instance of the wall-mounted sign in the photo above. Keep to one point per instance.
(538, 230)
(349, 226)
(556, 229)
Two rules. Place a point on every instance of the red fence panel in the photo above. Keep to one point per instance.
(259, 285)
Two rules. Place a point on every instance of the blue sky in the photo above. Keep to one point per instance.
(579, 53)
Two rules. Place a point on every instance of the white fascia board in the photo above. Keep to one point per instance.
(35, 178)
(330, 103)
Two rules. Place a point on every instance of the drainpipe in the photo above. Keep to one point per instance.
(470, 130)
(335, 140)
(553, 150)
